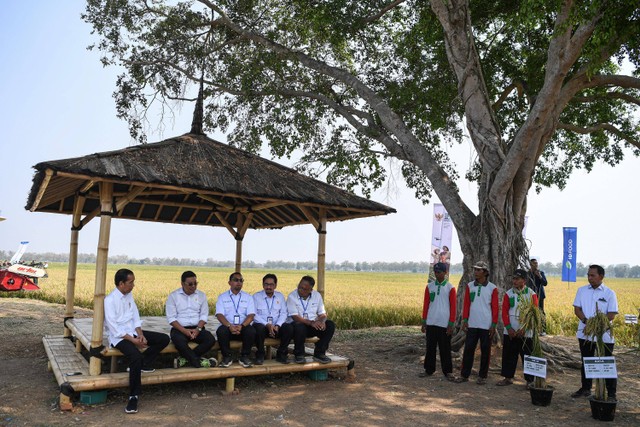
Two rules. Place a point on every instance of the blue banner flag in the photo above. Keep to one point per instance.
(569, 260)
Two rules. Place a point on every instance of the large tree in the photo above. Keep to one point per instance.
(536, 85)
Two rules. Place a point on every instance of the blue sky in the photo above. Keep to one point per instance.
(57, 103)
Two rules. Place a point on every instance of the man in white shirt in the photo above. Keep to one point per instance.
(235, 310)
(309, 318)
(590, 299)
(187, 313)
(270, 318)
(122, 319)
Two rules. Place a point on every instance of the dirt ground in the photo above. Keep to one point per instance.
(387, 390)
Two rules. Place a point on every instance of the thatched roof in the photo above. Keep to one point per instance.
(192, 179)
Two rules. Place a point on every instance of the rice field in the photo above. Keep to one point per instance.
(354, 300)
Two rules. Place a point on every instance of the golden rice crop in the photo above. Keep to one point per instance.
(353, 299)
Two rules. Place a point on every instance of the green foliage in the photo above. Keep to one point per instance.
(280, 87)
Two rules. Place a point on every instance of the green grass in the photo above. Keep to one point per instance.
(354, 300)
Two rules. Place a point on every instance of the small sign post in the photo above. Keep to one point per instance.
(600, 367)
(536, 366)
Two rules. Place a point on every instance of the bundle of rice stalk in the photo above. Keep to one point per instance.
(597, 326)
(530, 319)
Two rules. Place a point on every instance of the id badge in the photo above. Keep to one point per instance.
(305, 316)
(269, 320)
(236, 319)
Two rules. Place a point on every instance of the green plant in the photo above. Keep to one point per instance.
(597, 326)
(530, 319)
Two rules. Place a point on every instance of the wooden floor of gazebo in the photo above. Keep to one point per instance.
(71, 367)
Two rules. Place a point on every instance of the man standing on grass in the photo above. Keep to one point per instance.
(537, 281)
(589, 300)
(479, 320)
(188, 313)
(122, 319)
(438, 318)
(309, 318)
(235, 310)
(515, 341)
(270, 319)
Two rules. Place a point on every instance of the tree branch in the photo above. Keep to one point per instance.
(384, 10)
(609, 95)
(409, 145)
(519, 85)
(600, 127)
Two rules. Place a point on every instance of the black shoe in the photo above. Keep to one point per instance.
(300, 359)
(424, 374)
(282, 358)
(226, 362)
(259, 359)
(132, 406)
(581, 393)
(322, 358)
(245, 362)
(612, 397)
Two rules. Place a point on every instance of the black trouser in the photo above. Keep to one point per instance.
(301, 332)
(156, 341)
(285, 333)
(470, 344)
(247, 336)
(588, 349)
(205, 341)
(437, 337)
(511, 349)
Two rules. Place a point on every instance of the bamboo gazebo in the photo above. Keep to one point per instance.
(190, 179)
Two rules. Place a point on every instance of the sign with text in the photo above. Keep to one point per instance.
(630, 319)
(536, 366)
(600, 367)
(569, 250)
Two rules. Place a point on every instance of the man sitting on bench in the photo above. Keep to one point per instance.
(306, 311)
(187, 313)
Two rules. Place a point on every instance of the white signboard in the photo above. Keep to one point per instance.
(536, 366)
(600, 367)
(630, 319)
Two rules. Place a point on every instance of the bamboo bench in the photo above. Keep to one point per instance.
(71, 371)
(71, 368)
(82, 328)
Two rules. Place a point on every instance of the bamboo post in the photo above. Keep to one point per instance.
(238, 254)
(73, 261)
(106, 206)
(322, 242)
(242, 227)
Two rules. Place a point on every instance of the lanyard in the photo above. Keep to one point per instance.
(266, 300)
(237, 307)
(304, 307)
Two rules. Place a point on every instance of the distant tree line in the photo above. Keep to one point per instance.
(551, 269)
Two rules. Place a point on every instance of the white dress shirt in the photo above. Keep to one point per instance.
(587, 298)
(310, 308)
(189, 310)
(121, 316)
(231, 305)
(274, 307)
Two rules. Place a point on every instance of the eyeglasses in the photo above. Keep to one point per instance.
(238, 279)
(191, 283)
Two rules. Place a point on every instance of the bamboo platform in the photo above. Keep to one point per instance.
(72, 373)
(81, 330)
